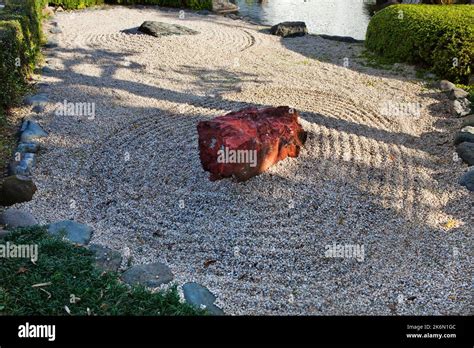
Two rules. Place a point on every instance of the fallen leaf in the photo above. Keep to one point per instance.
(451, 223)
(22, 270)
(207, 263)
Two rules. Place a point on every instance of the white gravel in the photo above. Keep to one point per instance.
(388, 183)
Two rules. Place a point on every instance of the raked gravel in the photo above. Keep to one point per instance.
(388, 183)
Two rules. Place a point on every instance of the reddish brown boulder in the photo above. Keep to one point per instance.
(247, 142)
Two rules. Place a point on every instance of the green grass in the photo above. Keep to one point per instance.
(71, 270)
(439, 38)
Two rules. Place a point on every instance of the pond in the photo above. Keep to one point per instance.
(331, 17)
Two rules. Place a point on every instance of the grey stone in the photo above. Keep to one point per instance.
(468, 120)
(27, 147)
(16, 189)
(458, 93)
(73, 231)
(106, 259)
(55, 30)
(289, 29)
(37, 99)
(46, 70)
(467, 180)
(466, 152)
(163, 29)
(462, 107)
(445, 85)
(233, 16)
(151, 275)
(52, 43)
(465, 135)
(30, 131)
(13, 218)
(204, 12)
(224, 6)
(26, 164)
(199, 296)
(347, 39)
(3, 233)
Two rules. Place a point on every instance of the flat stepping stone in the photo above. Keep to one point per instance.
(27, 147)
(458, 93)
(37, 99)
(201, 297)
(347, 39)
(3, 233)
(106, 259)
(462, 107)
(25, 166)
(151, 275)
(445, 85)
(465, 135)
(73, 231)
(158, 29)
(16, 189)
(30, 131)
(52, 43)
(467, 180)
(14, 218)
(466, 152)
(55, 30)
(468, 121)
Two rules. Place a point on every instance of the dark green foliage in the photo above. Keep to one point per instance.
(192, 4)
(71, 270)
(433, 36)
(20, 40)
(75, 4)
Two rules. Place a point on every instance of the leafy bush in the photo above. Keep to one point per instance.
(78, 4)
(438, 37)
(192, 4)
(75, 4)
(20, 39)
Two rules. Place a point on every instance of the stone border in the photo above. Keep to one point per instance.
(464, 140)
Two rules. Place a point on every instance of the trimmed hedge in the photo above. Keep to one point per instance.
(192, 4)
(75, 4)
(20, 40)
(434, 36)
(78, 4)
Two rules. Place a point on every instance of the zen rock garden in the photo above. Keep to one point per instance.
(227, 157)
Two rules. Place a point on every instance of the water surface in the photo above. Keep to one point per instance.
(332, 17)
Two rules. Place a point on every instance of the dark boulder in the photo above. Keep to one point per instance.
(16, 189)
(289, 29)
(158, 29)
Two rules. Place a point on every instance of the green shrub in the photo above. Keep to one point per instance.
(433, 36)
(20, 39)
(192, 4)
(75, 4)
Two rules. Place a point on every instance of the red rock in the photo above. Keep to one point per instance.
(247, 142)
